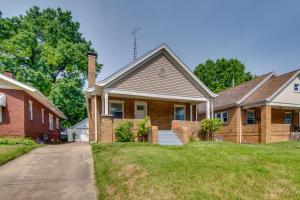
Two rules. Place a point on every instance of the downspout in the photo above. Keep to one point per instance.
(96, 121)
(240, 124)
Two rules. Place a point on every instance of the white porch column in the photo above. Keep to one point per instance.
(207, 109)
(103, 107)
(212, 109)
(191, 112)
(106, 103)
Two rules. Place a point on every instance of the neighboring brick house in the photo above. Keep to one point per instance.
(262, 110)
(26, 112)
(158, 85)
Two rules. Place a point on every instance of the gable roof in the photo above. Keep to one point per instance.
(34, 93)
(272, 87)
(82, 124)
(147, 56)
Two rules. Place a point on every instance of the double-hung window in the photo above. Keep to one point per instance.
(57, 123)
(296, 87)
(223, 116)
(116, 109)
(179, 112)
(250, 117)
(43, 116)
(51, 122)
(288, 118)
(30, 106)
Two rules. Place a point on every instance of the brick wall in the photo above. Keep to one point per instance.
(13, 114)
(16, 120)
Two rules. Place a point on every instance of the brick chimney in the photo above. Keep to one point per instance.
(8, 74)
(92, 56)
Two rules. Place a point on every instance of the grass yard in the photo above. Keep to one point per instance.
(11, 148)
(199, 170)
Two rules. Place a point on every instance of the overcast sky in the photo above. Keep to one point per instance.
(264, 35)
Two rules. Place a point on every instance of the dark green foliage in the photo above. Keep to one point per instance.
(124, 132)
(222, 73)
(45, 49)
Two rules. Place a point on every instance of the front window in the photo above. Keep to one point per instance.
(250, 117)
(51, 122)
(116, 109)
(223, 116)
(30, 110)
(43, 116)
(179, 112)
(288, 118)
(296, 87)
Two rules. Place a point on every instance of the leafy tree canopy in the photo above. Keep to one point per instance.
(45, 49)
(222, 73)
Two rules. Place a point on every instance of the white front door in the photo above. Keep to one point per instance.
(140, 109)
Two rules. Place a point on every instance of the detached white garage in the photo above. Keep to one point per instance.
(81, 131)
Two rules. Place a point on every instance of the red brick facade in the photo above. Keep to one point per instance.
(16, 120)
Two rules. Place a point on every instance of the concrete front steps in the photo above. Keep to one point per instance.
(168, 138)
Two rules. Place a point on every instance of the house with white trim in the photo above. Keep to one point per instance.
(262, 110)
(157, 84)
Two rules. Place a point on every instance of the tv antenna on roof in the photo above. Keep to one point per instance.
(135, 45)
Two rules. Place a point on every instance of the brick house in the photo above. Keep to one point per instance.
(26, 112)
(262, 110)
(158, 85)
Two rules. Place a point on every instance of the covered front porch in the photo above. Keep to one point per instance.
(268, 123)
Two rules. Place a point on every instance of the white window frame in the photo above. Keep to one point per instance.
(57, 122)
(222, 117)
(298, 87)
(179, 106)
(116, 101)
(291, 117)
(136, 103)
(253, 117)
(51, 127)
(30, 109)
(1, 114)
(43, 115)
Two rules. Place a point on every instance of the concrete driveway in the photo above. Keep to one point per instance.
(51, 172)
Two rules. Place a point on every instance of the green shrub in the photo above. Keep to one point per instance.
(16, 140)
(144, 129)
(209, 127)
(123, 132)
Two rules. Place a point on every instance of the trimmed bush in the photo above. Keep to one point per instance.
(124, 132)
(16, 140)
(209, 127)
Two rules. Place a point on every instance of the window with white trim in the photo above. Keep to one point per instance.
(30, 110)
(296, 87)
(223, 116)
(250, 117)
(288, 118)
(1, 114)
(116, 109)
(57, 123)
(179, 112)
(50, 122)
(43, 116)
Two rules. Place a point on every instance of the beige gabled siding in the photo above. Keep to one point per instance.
(147, 79)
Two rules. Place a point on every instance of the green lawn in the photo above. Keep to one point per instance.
(199, 170)
(9, 152)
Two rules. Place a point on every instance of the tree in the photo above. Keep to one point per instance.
(45, 49)
(222, 73)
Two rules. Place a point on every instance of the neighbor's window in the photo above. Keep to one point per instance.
(223, 116)
(43, 116)
(296, 87)
(288, 118)
(51, 122)
(179, 112)
(30, 110)
(1, 114)
(116, 109)
(57, 123)
(250, 117)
